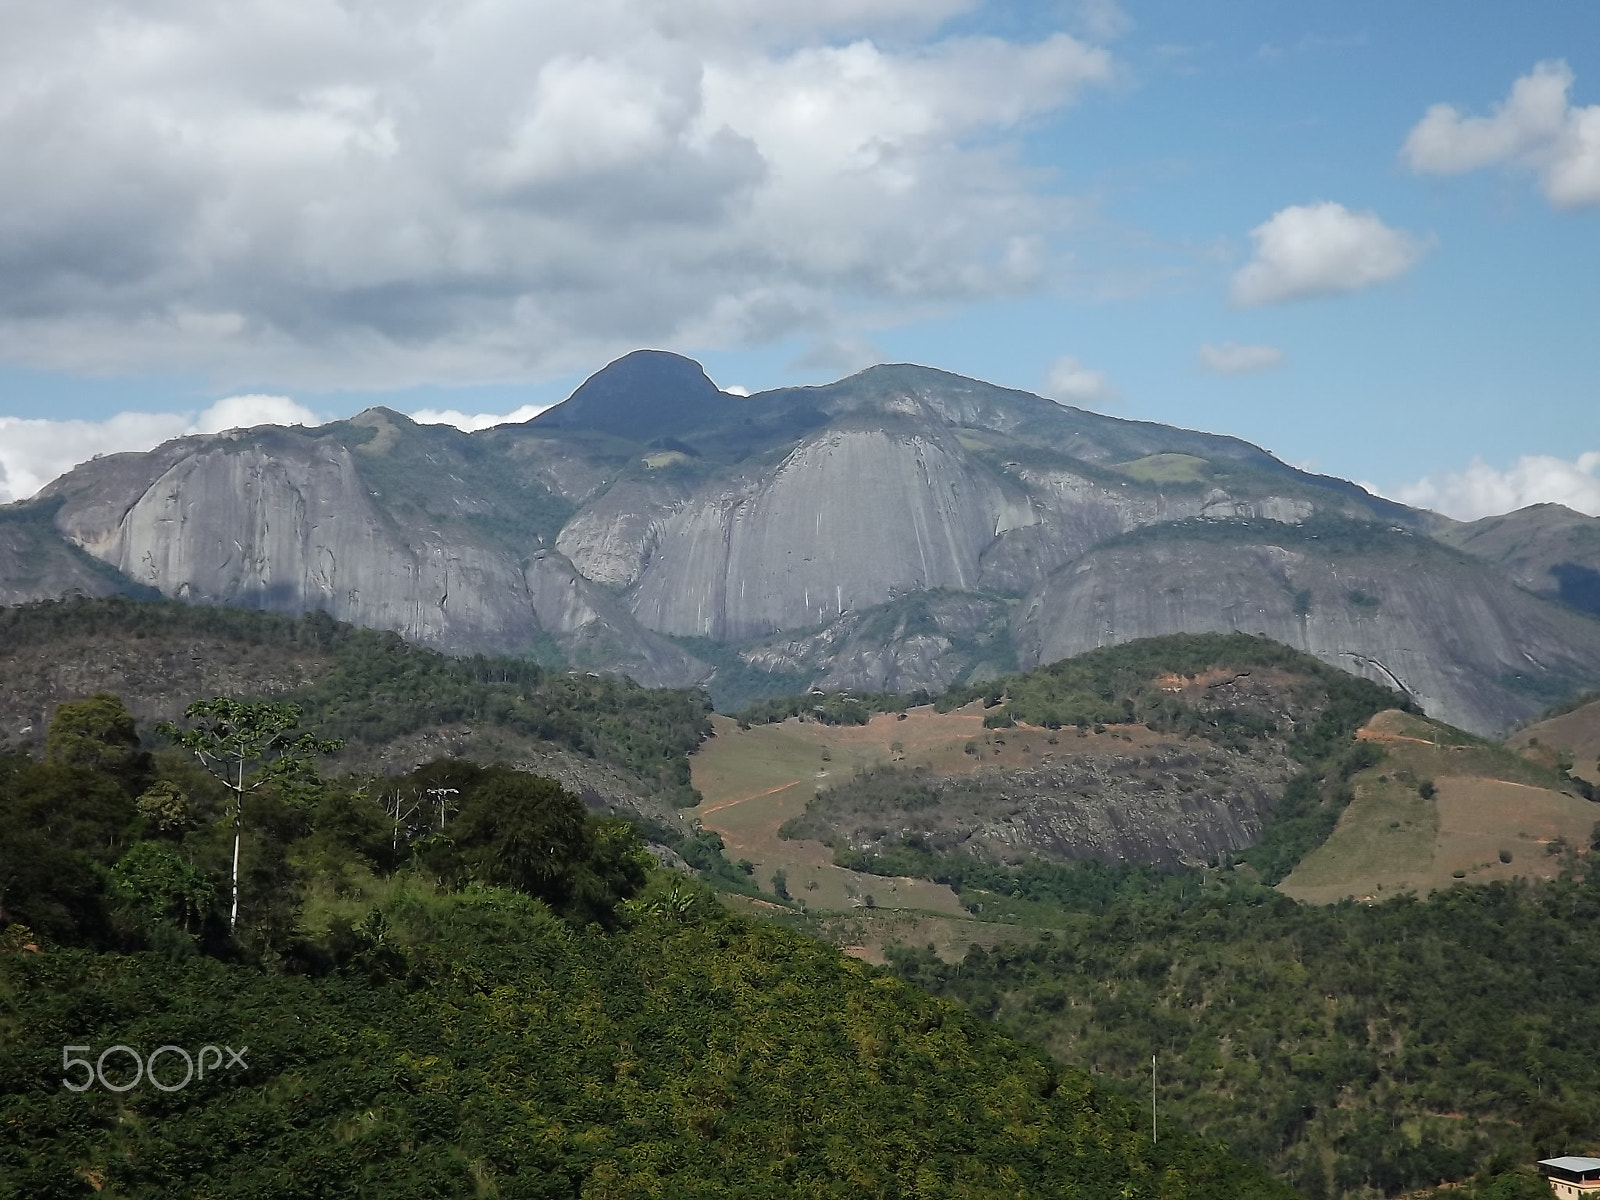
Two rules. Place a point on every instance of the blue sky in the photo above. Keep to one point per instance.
(304, 217)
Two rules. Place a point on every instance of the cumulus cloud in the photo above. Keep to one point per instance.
(35, 451)
(1070, 382)
(1483, 491)
(1534, 128)
(333, 194)
(1232, 359)
(472, 422)
(1322, 250)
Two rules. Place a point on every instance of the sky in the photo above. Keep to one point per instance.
(1363, 235)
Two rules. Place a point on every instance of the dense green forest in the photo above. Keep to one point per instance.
(377, 686)
(1359, 1050)
(458, 983)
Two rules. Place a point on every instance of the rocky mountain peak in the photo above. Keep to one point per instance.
(642, 395)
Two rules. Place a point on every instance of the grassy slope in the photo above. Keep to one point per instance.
(1495, 815)
(1576, 731)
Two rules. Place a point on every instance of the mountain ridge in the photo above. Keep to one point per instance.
(611, 532)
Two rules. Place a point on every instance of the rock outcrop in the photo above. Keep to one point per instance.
(289, 523)
(1471, 648)
(795, 525)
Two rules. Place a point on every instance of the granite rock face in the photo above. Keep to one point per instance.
(1471, 648)
(848, 520)
(289, 524)
(797, 526)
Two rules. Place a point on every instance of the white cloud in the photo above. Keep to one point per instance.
(1070, 382)
(334, 194)
(838, 356)
(1534, 128)
(1322, 250)
(244, 412)
(1482, 491)
(35, 451)
(471, 423)
(1232, 359)
(736, 389)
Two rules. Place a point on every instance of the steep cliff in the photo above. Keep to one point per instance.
(847, 520)
(792, 526)
(1397, 608)
(289, 522)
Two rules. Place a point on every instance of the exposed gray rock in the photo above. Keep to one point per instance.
(927, 642)
(849, 519)
(292, 525)
(801, 519)
(611, 540)
(1168, 801)
(1471, 648)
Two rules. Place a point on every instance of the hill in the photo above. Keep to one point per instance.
(903, 528)
(1441, 805)
(497, 1003)
(1546, 548)
(906, 815)
(395, 705)
(1569, 738)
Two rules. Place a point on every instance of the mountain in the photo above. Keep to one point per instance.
(902, 528)
(1546, 548)
(1383, 602)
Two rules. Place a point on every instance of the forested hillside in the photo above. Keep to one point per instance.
(367, 688)
(496, 1002)
(1360, 1050)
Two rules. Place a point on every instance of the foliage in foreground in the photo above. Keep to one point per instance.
(1358, 1050)
(474, 1046)
(451, 984)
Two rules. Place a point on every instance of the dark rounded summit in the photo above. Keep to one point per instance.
(643, 395)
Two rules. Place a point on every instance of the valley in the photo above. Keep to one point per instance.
(1123, 738)
(1210, 847)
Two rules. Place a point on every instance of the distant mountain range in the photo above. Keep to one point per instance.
(903, 528)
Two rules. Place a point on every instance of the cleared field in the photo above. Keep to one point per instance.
(1168, 468)
(1381, 841)
(1577, 731)
(1392, 840)
(756, 779)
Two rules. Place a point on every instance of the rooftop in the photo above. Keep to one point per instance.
(1573, 1164)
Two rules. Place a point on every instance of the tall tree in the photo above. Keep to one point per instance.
(231, 737)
